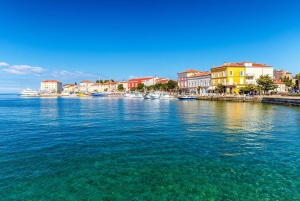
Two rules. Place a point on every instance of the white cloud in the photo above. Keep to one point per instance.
(3, 64)
(68, 74)
(24, 69)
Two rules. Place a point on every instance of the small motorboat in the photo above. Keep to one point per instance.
(186, 98)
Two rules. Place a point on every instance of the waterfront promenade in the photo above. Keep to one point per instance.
(274, 99)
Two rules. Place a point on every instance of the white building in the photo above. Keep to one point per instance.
(281, 87)
(52, 86)
(255, 70)
(85, 85)
(183, 77)
(149, 81)
(125, 85)
(199, 80)
(70, 88)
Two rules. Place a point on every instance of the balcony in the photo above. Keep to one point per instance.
(250, 75)
(230, 84)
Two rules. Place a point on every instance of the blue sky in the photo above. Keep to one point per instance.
(75, 40)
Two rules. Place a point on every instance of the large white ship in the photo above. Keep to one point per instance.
(29, 92)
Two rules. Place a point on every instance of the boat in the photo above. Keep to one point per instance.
(147, 96)
(186, 98)
(155, 95)
(136, 95)
(94, 94)
(80, 95)
(126, 95)
(29, 93)
(166, 96)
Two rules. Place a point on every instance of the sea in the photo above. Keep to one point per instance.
(136, 149)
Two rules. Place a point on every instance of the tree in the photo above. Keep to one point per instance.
(172, 84)
(266, 83)
(288, 82)
(120, 87)
(140, 87)
(164, 87)
(220, 88)
(199, 89)
(248, 88)
(132, 89)
(111, 80)
(99, 81)
(298, 80)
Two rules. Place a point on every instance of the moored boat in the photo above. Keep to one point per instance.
(166, 96)
(155, 95)
(29, 93)
(186, 98)
(94, 94)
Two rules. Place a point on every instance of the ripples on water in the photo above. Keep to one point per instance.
(130, 149)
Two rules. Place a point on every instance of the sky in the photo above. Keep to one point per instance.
(71, 41)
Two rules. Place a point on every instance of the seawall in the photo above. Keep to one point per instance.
(281, 100)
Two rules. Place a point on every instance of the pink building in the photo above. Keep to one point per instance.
(183, 77)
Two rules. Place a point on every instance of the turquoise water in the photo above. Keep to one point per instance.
(131, 149)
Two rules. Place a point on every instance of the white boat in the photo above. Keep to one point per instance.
(126, 95)
(147, 96)
(29, 93)
(155, 95)
(138, 95)
(166, 96)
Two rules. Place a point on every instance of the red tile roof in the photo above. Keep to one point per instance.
(278, 82)
(86, 81)
(143, 78)
(242, 64)
(190, 71)
(51, 81)
(201, 74)
(69, 85)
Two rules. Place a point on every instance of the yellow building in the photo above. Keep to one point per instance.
(232, 75)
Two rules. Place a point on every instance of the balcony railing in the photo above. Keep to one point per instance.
(250, 75)
(230, 84)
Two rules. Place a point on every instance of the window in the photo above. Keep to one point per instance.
(218, 74)
(224, 73)
(230, 73)
(241, 73)
(241, 80)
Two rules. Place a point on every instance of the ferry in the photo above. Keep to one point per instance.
(29, 93)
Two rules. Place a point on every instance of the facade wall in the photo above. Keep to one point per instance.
(182, 78)
(51, 86)
(202, 81)
(253, 73)
(233, 77)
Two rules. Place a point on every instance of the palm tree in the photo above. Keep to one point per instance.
(199, 88)
(221, 88)
(298, 78)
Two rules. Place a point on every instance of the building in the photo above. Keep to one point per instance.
(281, 86)
(237, 74)
(85, 85)
(125, 85)
(52, 86)
(183, 77)
(162, 80)
(255, 70)
(110, 86)
(135, 81)
(279, 73)
(199, 83)
(70, 88)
